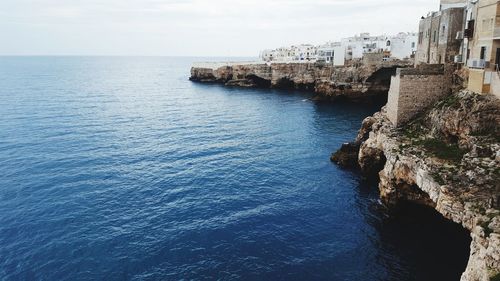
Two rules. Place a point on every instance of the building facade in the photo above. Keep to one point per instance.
(466, 32)
(483, 46)
(400, 46)
(331, 53)
(305, 52)
(440, 36)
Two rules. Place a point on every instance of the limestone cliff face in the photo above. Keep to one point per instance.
(448, 159)
(354, 82)
(276, 75)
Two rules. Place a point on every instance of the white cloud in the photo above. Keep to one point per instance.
(193, 27)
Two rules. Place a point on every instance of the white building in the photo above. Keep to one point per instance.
(400, 46)
(267, 55)
(364, 43)
(332, 53)
(304, 52)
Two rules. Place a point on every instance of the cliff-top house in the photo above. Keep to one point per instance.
(331, 53)
(463, 34)
(467, 33)
(400, 46)
(482, 46)
(439, 36)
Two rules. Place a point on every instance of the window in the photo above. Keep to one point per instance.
(483, 53)
(434, 37)
(388, 43)
(413, 44)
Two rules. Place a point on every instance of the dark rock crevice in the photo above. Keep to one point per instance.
(447, 159)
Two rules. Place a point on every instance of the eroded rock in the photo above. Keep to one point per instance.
(448, 160)
(354, 82)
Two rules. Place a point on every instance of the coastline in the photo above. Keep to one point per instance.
(459, 178)
(357, 82)
(401, 158)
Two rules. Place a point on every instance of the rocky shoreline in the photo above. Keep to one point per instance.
(447, 159)
(357, 82)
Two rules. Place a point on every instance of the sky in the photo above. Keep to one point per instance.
(194, 27)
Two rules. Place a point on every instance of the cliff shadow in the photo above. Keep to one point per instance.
(428, 246)
(379, 83)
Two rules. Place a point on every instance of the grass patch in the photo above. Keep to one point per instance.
(495, 277)
(443, 150)
(414, 130)
(487, 229)
(482, 133)
(450, 101)
(437, 177)
(496, 173)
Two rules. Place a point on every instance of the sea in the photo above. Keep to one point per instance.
(120, 168)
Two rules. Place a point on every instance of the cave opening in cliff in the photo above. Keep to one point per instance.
(259, 81)
(435, 247)
(285, 83)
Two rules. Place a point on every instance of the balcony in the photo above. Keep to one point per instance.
(478, 63)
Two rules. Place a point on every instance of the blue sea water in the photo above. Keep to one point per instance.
(119, 168)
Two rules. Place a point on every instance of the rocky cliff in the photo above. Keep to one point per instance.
(355, 82)
(448, 159)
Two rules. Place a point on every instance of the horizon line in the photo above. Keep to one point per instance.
(97, 55)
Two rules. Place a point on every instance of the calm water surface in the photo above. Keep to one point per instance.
(122, 169)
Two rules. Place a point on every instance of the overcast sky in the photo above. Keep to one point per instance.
(193, 27)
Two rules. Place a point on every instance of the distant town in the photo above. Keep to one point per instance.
(463, 32)
(400, 46)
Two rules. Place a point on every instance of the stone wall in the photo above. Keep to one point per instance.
(413, 90)
(373, 58)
